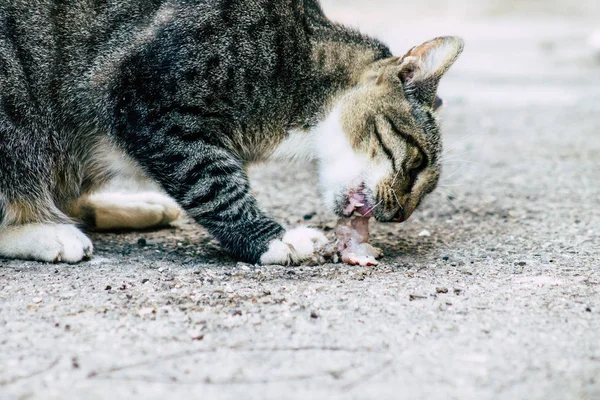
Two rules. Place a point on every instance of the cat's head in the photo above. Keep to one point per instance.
(380, 147)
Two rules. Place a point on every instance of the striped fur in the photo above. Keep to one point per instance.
(185, 92)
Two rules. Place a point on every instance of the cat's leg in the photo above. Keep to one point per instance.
(32, 226)
(211, 185)
(140, 210)
(119, 194)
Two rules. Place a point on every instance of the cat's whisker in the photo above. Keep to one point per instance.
(461, 161)
(449, 197)
(372, 208)
(451, 185)
(445, 193)
(395, 177)
(396, 197)
(457, 156)
(446, 177)
(446, 157)
(460, 141)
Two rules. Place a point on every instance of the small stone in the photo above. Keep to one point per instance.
(413, 297)
(424, 233)
(142, 242)
(147, 311)
(521, 263)
(588, 309)
(441, 290)
(309, 216)
(145, 280)
(108, 287)
(457, 291)
(38, 300)
(446, 258)
(314, 315)
(243, 266)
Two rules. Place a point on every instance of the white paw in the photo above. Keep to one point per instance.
(45, 242)
(297, 245)
(132, 210)
(170, 210)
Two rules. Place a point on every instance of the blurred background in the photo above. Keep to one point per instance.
(518, 51)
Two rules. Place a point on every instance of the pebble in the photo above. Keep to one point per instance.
(147, 311)
(441, 290)
(309, 216)
(521, 263)
(425, 233)
(243, 266)
(38, 300)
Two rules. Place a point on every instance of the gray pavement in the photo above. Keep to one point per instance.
(489, 291)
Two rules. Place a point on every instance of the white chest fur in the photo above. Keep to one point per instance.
(308, 145)
(341, 168)
(298, 145)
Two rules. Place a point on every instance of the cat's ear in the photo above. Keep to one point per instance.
(423, 66)
(437, 103)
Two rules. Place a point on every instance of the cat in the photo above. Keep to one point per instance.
(187, 93)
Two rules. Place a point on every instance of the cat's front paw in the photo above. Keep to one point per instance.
(45, 242)
(296, 246)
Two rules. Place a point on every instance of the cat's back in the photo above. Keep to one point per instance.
(43, 40)
(243, 65)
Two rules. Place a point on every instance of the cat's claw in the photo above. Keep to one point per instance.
(296, 246)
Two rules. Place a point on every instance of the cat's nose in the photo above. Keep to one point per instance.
(399, 216)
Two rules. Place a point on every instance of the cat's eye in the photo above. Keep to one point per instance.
(418, 163)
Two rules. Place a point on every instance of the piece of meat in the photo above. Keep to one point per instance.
(352, 236)
(351, 244)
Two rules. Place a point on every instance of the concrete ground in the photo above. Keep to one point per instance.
(490, 291)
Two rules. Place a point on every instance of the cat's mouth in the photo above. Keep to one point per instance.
(357, 203)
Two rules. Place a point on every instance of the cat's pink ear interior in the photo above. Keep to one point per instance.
(423, 66)
(431, 59)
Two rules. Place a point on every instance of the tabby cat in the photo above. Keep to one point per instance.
(187, 93)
